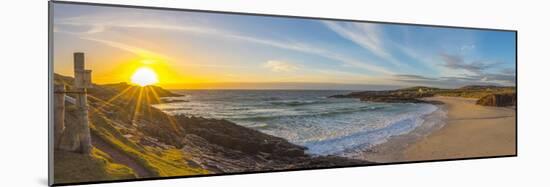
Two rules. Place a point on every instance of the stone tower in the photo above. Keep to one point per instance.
(76, 136)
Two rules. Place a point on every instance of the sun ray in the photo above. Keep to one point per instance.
(155, 96)
(171, 119)
(137, 107)
(148, 102)
(108, 102)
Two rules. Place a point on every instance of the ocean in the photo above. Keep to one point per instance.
(326, 126)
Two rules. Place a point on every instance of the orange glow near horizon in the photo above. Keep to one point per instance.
(145, 71)
(187, 72)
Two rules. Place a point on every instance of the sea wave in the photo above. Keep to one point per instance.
(397, 125)
(307, 114)
(311, 119)
(298, 103)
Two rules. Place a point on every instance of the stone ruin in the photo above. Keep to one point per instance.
(74, 137)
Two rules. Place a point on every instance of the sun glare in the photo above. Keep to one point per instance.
(144, 77)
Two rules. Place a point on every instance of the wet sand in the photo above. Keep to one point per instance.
(469, 130)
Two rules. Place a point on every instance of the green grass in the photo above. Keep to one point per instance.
(161, 162)
(473, 93)
(74, 167)
(115, 170)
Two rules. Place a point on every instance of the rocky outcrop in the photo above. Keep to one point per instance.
(230, 135)
(499, 100)
(222, 146)
(393, 96)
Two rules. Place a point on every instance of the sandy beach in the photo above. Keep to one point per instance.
(469, 130)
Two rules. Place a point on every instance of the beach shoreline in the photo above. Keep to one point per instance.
(468, 130)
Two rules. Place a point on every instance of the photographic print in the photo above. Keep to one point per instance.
(150, 93)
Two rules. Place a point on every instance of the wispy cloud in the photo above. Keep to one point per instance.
(95, 29)
(407, 77)
(366, 35)
(280, 66)
(444, 82)
(467, 48)
(485, 72)
(88, 34)
(476, 72)
(129, 48)
(100, 24)
(305, 48)
(216, 32)
(508, 71)
(457, 62)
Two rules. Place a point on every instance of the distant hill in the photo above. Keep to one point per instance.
(480, 87)
(416, 88)
(493, 95)
(161, 92)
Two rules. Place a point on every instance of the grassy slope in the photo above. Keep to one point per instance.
(474, 93)
(161, 162)
(73, 167)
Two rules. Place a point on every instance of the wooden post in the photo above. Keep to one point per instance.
(59, 113)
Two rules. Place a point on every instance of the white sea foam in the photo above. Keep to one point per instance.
(309, 118)
(385, 128)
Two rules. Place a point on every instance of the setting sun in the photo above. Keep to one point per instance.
(144, 77)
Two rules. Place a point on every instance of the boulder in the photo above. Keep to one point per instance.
(499, 100)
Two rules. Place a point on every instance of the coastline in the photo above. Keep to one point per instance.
(469, 130)
(442, 134)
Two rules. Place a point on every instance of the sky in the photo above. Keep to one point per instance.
(197, 50)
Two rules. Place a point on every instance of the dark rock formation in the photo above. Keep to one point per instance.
(222, 146)
(393, 96)
(233, 136)
(499, 100)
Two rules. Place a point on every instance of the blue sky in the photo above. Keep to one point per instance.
(194, 48)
